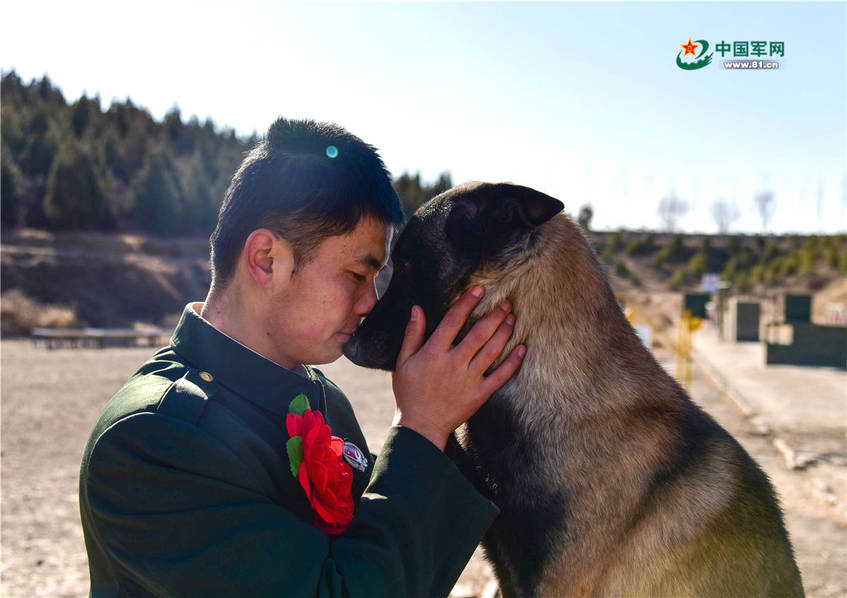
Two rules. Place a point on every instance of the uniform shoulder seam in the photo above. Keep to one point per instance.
(188, 396)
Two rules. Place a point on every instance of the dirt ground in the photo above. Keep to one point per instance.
(50, 400)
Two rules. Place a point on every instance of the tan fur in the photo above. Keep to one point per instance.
(587, 381)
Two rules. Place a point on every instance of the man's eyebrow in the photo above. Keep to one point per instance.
(370, 260)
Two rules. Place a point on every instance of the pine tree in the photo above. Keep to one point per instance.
(75, 196)
(8, 204)
(158, 197)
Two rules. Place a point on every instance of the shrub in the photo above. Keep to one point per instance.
(770, 251)
(640, 246)
(698, 264)
(790, 264)
(731, 269)
(733, 244)
(679, 279)
(808, 259)
(773, 270)
(620, 269)
(672, 252)
(812, 243)
(831, 256)
(742, 283)
(611, 247)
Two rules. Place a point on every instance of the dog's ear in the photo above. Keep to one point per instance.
(490, 217)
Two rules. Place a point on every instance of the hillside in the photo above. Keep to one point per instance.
(97, 279)
(64, 279)
(749, 264)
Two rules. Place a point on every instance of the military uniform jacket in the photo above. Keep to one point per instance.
(186, 488)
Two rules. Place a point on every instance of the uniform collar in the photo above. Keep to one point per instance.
(241, 369)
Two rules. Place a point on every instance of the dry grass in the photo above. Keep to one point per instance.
(19, 314)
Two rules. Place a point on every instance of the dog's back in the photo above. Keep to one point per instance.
(610, 481)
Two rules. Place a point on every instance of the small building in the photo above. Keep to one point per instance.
(741, 320)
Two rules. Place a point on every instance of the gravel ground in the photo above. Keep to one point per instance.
(50, 400)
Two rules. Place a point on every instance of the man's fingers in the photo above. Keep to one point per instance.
(492, 349)
(414, 336)
(504, 371)
(455, 318)
(483, 331)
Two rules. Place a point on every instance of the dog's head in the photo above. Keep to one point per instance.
(446, 242)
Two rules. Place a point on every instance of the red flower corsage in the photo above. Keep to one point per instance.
(316, 461)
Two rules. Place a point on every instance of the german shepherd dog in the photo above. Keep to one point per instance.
(610, 480)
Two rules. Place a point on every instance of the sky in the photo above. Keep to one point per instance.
(583, 101)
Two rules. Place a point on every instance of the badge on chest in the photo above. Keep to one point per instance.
(355, 457)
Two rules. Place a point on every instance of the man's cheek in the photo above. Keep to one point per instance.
(314, 331)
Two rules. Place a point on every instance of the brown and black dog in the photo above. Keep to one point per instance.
(610, 480)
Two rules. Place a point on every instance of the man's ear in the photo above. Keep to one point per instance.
(489, 217)
(268, 258)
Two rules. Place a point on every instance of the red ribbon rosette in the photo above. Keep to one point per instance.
(316, 458)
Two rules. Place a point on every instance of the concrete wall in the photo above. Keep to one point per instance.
(813, 345)
(798, 308)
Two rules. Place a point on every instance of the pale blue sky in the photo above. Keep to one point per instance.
(582, 101)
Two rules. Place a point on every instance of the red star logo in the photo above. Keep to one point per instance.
(689, 48)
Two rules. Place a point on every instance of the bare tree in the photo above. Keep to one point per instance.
(671, 210)
(765, 204)
(725, 213)
(586, 213)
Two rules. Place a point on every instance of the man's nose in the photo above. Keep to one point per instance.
(366, 301)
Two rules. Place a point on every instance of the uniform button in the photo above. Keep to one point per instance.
(207, 376)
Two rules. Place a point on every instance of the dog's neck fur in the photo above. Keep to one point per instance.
(585, 340)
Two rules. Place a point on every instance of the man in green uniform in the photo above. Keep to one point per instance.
(226, 466)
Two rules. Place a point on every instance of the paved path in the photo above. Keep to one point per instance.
(802, 409)
(784, 394)
(817, 532)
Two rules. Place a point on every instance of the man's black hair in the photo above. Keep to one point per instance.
(306, 181)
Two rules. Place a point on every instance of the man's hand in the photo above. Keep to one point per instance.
(438, 387)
